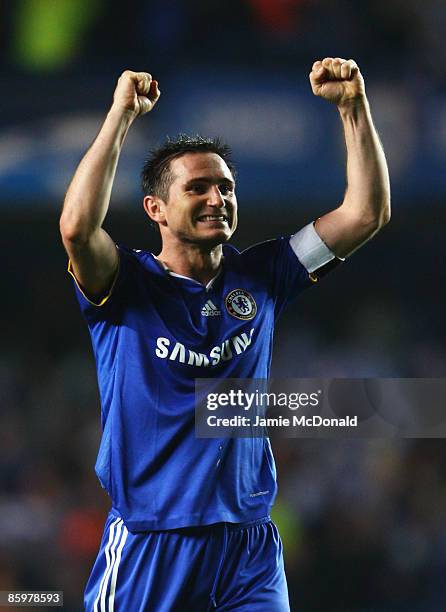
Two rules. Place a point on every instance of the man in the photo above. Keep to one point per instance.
(189, 528)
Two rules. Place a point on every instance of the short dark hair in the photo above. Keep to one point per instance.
(156, 177)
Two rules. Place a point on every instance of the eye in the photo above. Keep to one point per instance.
(198, 188)
(226, 189)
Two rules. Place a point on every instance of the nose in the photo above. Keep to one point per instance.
(215, 197)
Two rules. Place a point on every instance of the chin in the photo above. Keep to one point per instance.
(214, 238)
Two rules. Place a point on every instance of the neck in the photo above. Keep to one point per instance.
(201, 264)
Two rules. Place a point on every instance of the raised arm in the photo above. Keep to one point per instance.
(366, 205)
(92, 253)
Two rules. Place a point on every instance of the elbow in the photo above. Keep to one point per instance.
(384, 214)
(380, 218)
(71, 232)
(68, 231)
(369, 225)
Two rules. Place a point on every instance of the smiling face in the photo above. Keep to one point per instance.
(201, 206)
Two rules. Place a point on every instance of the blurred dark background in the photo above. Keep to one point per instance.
(363, 521)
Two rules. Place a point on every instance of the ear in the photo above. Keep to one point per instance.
(154, 208)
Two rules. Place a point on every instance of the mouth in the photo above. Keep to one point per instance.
(213, 219)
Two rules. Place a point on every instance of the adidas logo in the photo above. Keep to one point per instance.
(210, 310)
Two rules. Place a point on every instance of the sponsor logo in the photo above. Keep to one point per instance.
(227, 350)
(210, 310)
(241, 305)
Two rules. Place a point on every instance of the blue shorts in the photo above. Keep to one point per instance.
(195, 569)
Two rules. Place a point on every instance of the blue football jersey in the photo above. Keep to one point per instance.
(152, 337)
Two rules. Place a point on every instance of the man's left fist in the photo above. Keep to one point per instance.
(337, 80)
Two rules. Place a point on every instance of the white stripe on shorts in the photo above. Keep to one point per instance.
(111, 599)
(112, 562)
(107, 556)
(111, 544)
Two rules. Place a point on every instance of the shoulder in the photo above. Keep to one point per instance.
(259, 253)
(138, 260)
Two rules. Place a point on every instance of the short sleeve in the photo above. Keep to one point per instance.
(109, 306)
(289, 276)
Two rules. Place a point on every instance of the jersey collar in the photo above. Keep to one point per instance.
(208, 285)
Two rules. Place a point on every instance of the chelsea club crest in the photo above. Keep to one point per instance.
(241, 305)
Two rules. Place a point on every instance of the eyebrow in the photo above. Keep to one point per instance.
(209, 180)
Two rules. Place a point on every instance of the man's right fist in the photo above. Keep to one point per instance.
(136, 92)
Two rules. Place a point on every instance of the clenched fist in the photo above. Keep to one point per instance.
(136, 92)
(337, 80)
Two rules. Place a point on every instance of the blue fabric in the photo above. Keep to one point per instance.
(151, 340)
(222, 567)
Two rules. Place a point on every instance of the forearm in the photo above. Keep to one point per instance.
(366, 205)
(367, 197)
(88, 196)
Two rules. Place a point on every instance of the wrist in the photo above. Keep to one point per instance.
(120, 115)
(353, 106)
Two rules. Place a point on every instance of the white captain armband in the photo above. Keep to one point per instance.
(312, 252)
